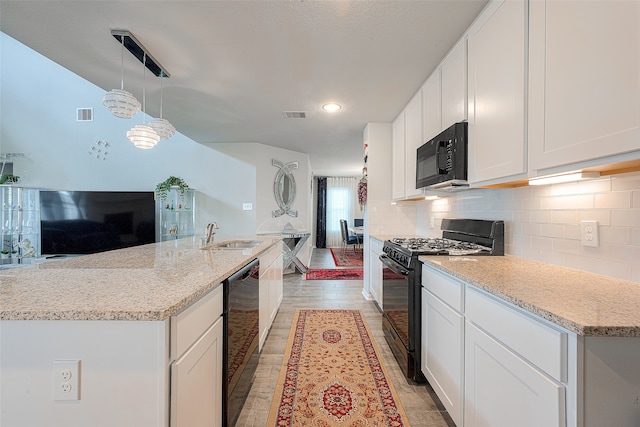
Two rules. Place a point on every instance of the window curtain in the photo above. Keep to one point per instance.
(342, 202)
(321, 214)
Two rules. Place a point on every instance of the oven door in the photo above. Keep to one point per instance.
(396, 299)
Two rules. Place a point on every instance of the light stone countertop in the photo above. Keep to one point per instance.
(149, 282)
(585, 303)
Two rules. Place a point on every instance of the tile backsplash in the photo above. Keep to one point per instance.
(543, 222)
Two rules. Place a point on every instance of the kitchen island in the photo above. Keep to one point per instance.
(510, 341)
(118, 316)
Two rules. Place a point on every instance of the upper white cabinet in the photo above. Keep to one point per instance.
(431, 107)
(397, 158)
(406, 138)
(454, 85)
(584, 63)
(412, 140)
(496, 92)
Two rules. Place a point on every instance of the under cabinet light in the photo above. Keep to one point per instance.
(563, 177)
(431, 197)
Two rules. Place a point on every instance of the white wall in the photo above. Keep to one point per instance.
(38, 103)
(543, 223)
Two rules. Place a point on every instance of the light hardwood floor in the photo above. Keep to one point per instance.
(419, 402)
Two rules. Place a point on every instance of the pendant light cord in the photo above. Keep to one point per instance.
(161, 77)
(144, 77)
(122, 63)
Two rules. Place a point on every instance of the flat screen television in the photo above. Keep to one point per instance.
(86, 222)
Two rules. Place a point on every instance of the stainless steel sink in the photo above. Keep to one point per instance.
(236, 244)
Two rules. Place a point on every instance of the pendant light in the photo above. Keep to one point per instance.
(120, 102)
(162, 126)
(142, 136)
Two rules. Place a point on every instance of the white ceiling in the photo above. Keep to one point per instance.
(235, 66)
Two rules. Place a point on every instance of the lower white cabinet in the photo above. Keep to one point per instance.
(491, 364)
(516, 366)
(443, 353)
(196, 370)
(375, 270)
(196, 382)
(271, 288)
(503, 390)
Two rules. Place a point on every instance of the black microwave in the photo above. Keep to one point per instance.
(442, 161)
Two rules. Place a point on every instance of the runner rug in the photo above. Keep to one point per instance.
(347, 257)
(332, 374)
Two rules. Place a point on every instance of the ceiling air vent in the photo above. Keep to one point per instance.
(295, 114)
(84, 114)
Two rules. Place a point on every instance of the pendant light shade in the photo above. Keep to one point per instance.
(121, 103)
(161, 125)
(163, 128)
(143, 137)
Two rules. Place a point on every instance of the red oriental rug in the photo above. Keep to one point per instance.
(332, 374)
(345, 274)
(347, 257)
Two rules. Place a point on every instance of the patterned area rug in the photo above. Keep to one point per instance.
(347, 257)
(334, 274)
(332, 375)
(344, 274)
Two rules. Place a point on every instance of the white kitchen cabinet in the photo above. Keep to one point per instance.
(398, 158)
(431, 107)
(509, 378)
(375, 270)
(271, 289)
(196, 382)
(584, 63)
(196, 371)
(454, 85)
(412, 140)
(503, 390)
(496, 93)
(442, 360)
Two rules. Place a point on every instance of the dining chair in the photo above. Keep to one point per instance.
(346, 238)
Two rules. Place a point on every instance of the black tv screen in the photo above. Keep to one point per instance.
(86, 222)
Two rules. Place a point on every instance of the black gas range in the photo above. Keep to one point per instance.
(401, 300)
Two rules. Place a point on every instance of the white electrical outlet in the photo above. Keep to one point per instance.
(66, 380)
(589, 233)
(432, 222)
(247, 206)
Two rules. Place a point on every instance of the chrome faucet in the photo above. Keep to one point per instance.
(210, 232)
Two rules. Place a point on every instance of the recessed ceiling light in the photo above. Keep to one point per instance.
(331, 107)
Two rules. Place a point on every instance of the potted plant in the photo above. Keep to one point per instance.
(162, 189)
(9, 178)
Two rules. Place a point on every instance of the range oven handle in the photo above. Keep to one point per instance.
(394, 266)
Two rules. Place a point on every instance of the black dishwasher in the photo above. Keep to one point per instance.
(240, 342)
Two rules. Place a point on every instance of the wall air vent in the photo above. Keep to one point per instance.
(295, 114)
(84, 114)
